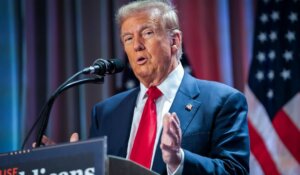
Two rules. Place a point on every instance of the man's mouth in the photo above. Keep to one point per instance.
(141, 60)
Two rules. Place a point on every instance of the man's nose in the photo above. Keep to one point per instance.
(138, 44)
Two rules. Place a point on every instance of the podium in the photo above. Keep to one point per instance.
(78, 158)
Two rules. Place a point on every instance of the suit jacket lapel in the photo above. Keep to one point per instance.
(124, 124)
(185, 106)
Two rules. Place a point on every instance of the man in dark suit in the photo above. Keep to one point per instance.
(201, 125)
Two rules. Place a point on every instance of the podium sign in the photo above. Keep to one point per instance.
(78, 158)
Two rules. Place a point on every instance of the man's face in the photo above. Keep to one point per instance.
(148, 47)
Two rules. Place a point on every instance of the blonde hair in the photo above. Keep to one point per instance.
(167, 13)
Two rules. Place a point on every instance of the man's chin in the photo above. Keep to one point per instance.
(143, 74)
(146, 78)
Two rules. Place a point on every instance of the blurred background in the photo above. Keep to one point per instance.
(44, 42)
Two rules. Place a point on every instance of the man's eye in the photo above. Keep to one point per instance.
(148, 33)
(127, 39)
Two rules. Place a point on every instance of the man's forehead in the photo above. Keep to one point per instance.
(139, 22)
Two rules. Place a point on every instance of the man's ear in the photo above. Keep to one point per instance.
(175, 41)
(174, 46)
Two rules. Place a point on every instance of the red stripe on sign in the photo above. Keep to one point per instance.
(288, 133)
(260, 151)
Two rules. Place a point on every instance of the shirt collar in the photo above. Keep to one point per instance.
(169, 86)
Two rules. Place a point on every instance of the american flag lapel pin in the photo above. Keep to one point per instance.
(189, 107)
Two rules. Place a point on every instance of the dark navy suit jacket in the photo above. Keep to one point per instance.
(215, 136)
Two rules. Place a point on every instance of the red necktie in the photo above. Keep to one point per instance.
(143, 145)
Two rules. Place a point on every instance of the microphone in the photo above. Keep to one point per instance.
(100, 67)
(103, 67)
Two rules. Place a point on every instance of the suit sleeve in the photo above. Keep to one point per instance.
(95, 123)
(229, 149)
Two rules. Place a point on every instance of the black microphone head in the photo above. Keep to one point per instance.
(118, 65)
(110, 66)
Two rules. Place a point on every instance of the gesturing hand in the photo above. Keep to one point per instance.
(47, 141)
(171, 141)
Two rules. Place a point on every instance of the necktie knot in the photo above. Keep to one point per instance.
(154, 93)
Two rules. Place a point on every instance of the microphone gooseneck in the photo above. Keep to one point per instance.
(99, 68)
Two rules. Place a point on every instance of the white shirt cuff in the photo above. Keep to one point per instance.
(179, 169)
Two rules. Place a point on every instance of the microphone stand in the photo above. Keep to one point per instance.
(45, 112)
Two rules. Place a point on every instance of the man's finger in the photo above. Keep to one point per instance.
(169, 148)
(171, 132)
(173, 137)
(166, 121)
(174, 115)
(74, 137)
(175, 129)
(47, 141)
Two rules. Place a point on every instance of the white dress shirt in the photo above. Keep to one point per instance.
(169, 88)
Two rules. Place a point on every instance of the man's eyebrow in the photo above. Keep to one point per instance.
(125, 34)
(143, 27)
